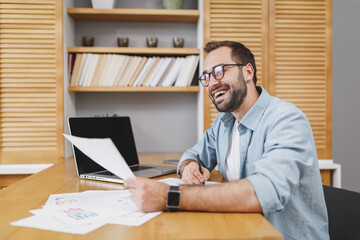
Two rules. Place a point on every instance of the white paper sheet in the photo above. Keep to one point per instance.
(44, 223)
(83, 212)
(132, 220)
(72, 215)
(104, 152)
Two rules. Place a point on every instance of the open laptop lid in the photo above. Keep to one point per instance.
(117, 128)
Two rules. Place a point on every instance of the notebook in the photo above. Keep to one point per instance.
(120, 131)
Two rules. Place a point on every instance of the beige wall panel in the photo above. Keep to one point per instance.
(31, 85)
(300, 62)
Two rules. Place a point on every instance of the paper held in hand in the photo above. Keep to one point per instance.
(104, 152)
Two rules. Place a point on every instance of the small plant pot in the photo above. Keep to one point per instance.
(123, 41)
(104, 4)
(178, 42)
(151, 41)
(173, 4)
(88, 41)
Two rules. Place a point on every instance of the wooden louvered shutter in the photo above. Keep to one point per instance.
(31, 81)
(243, 21)
(300, 62)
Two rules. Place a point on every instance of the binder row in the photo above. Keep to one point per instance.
(116, 70)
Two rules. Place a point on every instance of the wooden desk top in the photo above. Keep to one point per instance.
(33, 192)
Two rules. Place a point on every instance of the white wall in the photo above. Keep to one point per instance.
(346, 87)
(161, 122)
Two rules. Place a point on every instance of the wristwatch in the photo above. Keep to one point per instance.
(173, 199)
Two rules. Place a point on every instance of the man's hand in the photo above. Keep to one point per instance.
(149, 195)
(191, 175)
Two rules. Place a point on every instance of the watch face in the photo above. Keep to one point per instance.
(173, 199)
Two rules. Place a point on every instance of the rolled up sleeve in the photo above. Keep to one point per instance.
(288, 154)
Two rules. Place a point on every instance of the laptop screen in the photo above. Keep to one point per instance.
(117, 128)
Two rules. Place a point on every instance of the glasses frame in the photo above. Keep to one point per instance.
(205, 82)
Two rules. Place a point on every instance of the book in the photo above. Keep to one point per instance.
(192, 70)
(91, 69)
(71, 58)
(122, 69)
(75, 71)
(161, 71)
(154, 72)
(183, 71)
(144, 71)
(151, 71)
(129, 69)
(105, 69)
(112, 69)
(167, 71)
(187, 71)
(84, 69)
(173, 75)
(97, 70)
(97, 78)
(138, 68)
(81, 66)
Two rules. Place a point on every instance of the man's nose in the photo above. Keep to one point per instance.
(212, 81)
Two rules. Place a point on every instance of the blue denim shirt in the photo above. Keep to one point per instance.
(278, 157)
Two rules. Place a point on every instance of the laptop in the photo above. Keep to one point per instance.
(119, 130)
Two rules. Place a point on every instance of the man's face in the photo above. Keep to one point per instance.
(228, 93)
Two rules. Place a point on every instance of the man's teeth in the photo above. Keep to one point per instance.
(219, 93)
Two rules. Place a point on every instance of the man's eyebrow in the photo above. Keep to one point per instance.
(213, 67)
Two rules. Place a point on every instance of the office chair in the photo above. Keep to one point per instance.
(343, 207)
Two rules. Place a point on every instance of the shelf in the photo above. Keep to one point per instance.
(134, 89)
(134, 15)
(138, 51)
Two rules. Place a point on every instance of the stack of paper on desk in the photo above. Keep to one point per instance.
(80, 213)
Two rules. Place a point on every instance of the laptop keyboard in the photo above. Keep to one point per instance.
(139, 168)
(107, 173)
(133, 168)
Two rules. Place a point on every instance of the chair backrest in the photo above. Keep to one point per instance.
(343, 208)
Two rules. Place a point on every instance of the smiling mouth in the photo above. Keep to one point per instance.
(219, 93)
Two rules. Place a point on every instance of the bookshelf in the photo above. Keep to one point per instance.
(160, 106)
(136, 50)
(134, 15)
(134, 89)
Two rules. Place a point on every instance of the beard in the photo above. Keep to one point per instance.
(237, 92)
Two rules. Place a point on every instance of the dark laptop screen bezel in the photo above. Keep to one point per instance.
(117, 128)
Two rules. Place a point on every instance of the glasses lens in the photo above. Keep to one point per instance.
(204, 79)
(218, 72)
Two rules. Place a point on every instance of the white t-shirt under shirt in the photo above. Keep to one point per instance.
(233, 155)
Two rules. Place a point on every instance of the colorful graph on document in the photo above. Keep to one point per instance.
(79, 213)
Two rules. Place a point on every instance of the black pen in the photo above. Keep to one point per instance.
(200, 166)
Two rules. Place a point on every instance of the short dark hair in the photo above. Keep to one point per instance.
(239, 53)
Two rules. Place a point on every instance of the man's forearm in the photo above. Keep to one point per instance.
(236, 196)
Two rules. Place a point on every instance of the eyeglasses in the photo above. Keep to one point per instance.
(218, 73)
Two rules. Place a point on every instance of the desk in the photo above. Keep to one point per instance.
(32, 192)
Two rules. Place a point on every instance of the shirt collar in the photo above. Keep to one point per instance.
(252, 118)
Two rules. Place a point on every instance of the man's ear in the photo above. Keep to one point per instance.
(248, 72)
